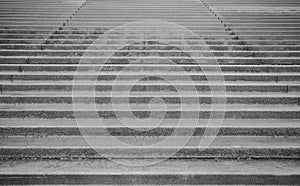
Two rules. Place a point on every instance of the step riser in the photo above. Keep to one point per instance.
(136, 100)
(76, 60)
(283, 32)
(142, 68)
(164, 53)
(191, 47)
(85, 33)
(5, 88)
(213, 29)
(131, 35)
(58, 35)
(202, 21)
(261, 114)
(269, 37)
(135, 131)
(98, 17)
(117, 39)
(75, 153)
(32, 32)
(222, 35)
(92, 28)
(105, 27)
(186, 17)
(149, 179)
(211, 22)
(145, 78)
(209, 41)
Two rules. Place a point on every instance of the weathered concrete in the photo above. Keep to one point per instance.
(256, 44)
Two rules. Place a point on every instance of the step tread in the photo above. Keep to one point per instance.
(179, 82)
(146, 142)
(153, 65)
(94, 123)
(86, 45)
(149, 51)
(149, 73)
(184, 107)
(134, 57)
(185, 94)
(176, 167)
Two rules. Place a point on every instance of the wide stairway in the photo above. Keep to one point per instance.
(150, 92)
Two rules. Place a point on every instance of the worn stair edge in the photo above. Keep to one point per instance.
(275, 172)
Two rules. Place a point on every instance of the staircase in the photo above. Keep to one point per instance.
(149, 92)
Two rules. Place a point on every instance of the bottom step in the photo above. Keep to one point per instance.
(172, 171)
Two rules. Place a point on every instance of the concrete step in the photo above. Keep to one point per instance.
(149, 60)
(98, 31)
(273, 33)
(225, 17)
(207, 40)
(261, 20)
(50, 27)
(114, 127)
(267, 69)
(269, 37)
(91, 27)
(271, 29)
(40, 87)
(98, 13)
(142, 97)
(149, 147)
(142, 111)
(56, 35)
(222, 47)
(155, 105)
(259, 25)
(77, 20)
(113, 41)
(208, 22)
(215, 34)
(81, 16)
(232, 16)
(146, 76)
(172, 171)
(171, 52)
(255, 43)
(133, 34)
(264, 30)
(150, 86)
